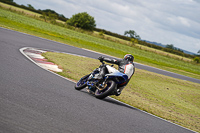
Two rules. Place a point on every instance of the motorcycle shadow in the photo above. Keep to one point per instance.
(116, 102)
(112, 101)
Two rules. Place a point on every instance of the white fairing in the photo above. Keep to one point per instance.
(111, 69)
(129, 69)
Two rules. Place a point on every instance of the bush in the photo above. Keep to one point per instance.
(101, 33)
(82, 20)
(197, 59)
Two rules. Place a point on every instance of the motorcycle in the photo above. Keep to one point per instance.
(107, 86)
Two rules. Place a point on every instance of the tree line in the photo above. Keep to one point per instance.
(47, 12)
(87, 22)
(133, 35)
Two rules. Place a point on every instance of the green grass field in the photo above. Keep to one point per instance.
(160, 52)
(17, 9)
(172, 99)
(46, 30)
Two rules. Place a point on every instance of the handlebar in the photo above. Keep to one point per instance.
(102, 62)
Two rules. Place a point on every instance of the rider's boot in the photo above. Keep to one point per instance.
(102, 73)
(90, 90)
(117, 92)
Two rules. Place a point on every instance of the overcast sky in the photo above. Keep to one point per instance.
(174, 22)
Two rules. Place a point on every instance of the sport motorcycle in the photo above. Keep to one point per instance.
(107, 86)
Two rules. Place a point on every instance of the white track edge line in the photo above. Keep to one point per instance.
(92, 51)
(85, 56)
(139, 64)
(21, 50)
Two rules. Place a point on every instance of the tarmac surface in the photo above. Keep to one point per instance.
(35, 100)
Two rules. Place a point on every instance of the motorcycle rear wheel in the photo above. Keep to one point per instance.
(82, 83)
(109, 88)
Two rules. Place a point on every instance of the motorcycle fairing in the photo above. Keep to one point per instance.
(120, 77)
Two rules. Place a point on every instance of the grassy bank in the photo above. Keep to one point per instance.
(169, 98)
(172, 99)
(46, 30)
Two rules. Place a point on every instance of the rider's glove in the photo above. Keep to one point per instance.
(101, 58)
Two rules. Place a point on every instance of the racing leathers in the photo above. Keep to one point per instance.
(124, 66)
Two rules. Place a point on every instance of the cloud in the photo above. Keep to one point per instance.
(170, 22)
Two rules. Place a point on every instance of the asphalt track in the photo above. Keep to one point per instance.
(33, 100)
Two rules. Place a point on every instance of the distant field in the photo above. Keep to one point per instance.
(108, 37)
(10, 7)
(172, 99)
(46, 30)
(175, 100)
(160, 52)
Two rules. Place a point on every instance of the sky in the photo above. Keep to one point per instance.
(174, 22)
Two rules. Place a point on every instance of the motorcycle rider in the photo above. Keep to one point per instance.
(125, 66)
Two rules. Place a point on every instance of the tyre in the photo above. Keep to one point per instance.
(82, 83)
(106, 91)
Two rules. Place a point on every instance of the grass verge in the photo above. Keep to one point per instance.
(61, 34)
(172, 99)
(169, 98)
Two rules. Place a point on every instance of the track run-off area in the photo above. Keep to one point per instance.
(35, 100)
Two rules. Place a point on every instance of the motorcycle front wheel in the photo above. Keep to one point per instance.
(82, 83)
(108, 88)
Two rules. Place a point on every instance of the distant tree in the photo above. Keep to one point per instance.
(8, 0)
(170, 46)
(132, 34)
(82, 20)
(30, 6)
(62, 17)
(197, 59)
(198, 54)
(49, 11)
(53, 16)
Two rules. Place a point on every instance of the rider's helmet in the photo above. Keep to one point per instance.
(129, 57)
